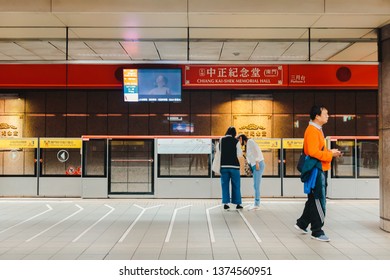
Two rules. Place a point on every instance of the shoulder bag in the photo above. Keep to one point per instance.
(247, 168)
(301, 161)
(216, 165)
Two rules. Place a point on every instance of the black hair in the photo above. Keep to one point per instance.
(243, 137)
(231, 131)
(316, 111)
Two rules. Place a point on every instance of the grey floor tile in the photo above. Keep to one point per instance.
(352, 225)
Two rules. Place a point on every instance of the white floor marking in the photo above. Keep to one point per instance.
(135, 221)
(173, 221)
(63, 220)
(88, 229)
(29, 219)
(211, 231)
(250, 227)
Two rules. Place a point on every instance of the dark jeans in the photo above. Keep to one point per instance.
(231, 175)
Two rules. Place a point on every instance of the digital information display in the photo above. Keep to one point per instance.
(130, 85)
(153, 85)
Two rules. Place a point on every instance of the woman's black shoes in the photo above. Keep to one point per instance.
(238, 207)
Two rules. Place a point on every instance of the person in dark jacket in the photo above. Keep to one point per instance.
(230, 148)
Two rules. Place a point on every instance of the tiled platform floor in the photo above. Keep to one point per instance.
(184, 229)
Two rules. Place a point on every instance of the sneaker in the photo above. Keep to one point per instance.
(301, 230)
(226, 207)
(238, 207)
(322, 238)
(254, 208)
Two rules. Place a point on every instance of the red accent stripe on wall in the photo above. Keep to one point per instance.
(108, 76)
(94, 76)
(32, 75)
(333, 76)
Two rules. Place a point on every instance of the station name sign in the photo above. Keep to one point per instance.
(235, 75)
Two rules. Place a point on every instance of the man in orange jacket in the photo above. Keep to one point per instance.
(314, 147)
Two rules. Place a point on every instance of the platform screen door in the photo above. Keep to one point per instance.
(131, 166)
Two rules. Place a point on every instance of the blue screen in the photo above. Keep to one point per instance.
(159, 85)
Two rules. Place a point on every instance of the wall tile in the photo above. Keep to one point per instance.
(55, 126)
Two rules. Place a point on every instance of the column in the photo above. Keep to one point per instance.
(384, 127)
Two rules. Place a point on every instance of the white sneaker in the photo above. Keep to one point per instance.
(301, 230)
(322, 238)
(253, 208)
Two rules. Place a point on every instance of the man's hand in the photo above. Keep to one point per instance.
(336, 153)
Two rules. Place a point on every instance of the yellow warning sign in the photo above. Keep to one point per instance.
(266, 144)
(18, 143)
(59, 143)
(345, 143)
(292, 143)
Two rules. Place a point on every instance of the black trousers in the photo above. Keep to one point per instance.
(313, 214)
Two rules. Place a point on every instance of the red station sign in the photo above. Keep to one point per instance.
(245, 76)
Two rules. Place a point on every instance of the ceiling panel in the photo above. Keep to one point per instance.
(38, 46)
(246, 33)
(357, 6)
(172, 50)
(270, 50)
(141, 50)
(80, 50)
(348, 21)
(249, 6)
(121, 19)
(52, 57)
(72, 6)
(207, 51)
(371, 57)
(32, 33)
(219, 30)
(253, 20)
(331, 33)
(297, 51)
(103, 44)
(130, 33)
(323, 51)
(60, 44)
(373, 34)
(29, 19)
(237, 50)
(27, 57)
(5, 57)
(108, 50)
(355, 52)
(8, 48)
(13, 49)
(316, 47)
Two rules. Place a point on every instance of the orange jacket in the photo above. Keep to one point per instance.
(313, 143)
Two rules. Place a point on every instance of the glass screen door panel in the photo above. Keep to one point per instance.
(131, 167)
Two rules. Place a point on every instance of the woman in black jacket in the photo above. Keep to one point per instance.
(230, 168)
